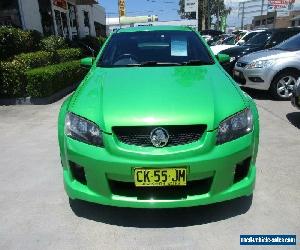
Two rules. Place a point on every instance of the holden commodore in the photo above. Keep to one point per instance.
(157, 123)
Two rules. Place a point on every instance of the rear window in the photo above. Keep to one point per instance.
(282, 36)
(260, 39)
(249, 36)
(292, 44)
(131, 48)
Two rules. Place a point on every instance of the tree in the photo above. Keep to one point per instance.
(207, 9)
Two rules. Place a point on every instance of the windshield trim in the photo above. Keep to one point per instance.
(211, 60)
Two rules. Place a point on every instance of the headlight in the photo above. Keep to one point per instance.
(260, 64)
(235, 126)
(83, 130)
(232, 59)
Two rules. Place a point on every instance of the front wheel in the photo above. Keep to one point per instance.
(283, 84)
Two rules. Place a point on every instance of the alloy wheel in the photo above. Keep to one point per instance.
(285, 86)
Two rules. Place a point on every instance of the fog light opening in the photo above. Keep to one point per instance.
(241, 170)
(255, 79)
(78, 172)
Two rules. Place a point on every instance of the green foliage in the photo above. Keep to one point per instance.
(65, 55)
(216, 8)
(12, 79)
(45, 81)
(52, 43)
(14, 41)
(36, 59)
(44, 58)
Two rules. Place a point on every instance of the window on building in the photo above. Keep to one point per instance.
(73, 20)
(47, 18)
(270, 20)
(293, 23)
(65, 24)
(9, 13)
(58, 21)
(86, 19)
(257, 23)
(61, 23)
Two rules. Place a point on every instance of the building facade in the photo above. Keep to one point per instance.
(272, 20)
(68, 18)
(112, 24)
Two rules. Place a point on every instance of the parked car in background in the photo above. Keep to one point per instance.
(230, 43)
(276, 69)
(207, 38)
(219, 39)
(264, 40)
(295, 99)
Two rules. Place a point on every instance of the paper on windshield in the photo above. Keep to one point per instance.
(179, 46)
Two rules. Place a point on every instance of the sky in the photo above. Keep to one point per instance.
(165, 9)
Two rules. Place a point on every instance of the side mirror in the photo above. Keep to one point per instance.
(87, 62)
(223, 58)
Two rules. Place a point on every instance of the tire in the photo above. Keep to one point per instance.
(282, 85)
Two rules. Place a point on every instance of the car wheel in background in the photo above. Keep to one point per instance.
(283, 84)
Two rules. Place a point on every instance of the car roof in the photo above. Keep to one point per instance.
(154, 28)
(276, 30)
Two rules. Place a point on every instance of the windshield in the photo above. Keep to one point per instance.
(154, 48)
(248, 36)
(291, 44)
(229, 41)
(259, 39)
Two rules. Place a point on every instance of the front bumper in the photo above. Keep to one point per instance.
(254, 78)
(102, 167)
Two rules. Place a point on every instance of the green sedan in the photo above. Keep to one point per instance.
(157, 123)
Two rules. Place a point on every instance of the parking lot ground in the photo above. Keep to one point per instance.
(35, 212)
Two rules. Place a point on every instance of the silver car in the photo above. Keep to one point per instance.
(275, 69)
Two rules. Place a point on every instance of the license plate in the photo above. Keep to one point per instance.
(159, 177)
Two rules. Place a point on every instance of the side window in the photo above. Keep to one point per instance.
(280, 37)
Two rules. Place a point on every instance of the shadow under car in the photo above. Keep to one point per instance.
(161, 218)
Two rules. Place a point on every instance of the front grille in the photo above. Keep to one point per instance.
(128, 189)
(140, 135)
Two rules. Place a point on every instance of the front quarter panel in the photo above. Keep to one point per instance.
(61, 124)
(284, 63)
(251, 104)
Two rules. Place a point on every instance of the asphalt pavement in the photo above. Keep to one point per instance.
(35, 212)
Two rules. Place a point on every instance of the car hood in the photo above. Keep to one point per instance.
(270, 54)
(240, 51)
(217, 48)
(140, 96)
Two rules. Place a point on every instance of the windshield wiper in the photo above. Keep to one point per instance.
(196, 62)
(154, 63)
